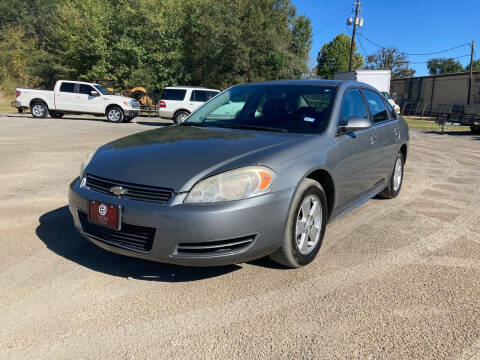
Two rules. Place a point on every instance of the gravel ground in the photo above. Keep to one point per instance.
(395, 279)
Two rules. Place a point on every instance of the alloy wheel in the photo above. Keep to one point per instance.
(309, 224)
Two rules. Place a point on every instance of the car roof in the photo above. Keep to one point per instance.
(339, 84)
(190, 87)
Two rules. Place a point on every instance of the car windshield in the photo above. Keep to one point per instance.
(287, 108)
(102, 90)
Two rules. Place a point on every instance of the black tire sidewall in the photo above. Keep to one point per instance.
(392, 190)
(311, 189)
(45, 113)
(122, 115)
(177, 115)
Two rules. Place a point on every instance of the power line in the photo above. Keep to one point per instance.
(409, 54)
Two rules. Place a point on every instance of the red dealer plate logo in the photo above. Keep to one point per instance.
(104, 214)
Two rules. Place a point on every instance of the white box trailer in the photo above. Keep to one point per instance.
(379, 79)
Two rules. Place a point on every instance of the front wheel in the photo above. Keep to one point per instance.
(39, 110)
(396, 180)
(305, 228)
(115, 114)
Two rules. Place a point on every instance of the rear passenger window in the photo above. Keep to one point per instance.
(200, 95)
(86, 89)
(173, 94)
(352, 106)
(67, 87)
(376, 106)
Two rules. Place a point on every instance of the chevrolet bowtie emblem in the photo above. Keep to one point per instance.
(118, 190)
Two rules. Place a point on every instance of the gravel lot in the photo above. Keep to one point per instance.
(394, 279)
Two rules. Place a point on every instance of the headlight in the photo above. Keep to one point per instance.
(236, 184)
(85, 164)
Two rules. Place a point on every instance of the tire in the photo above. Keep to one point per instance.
(56, 115)
(115, 114)
(475, 130)
(127, 119)
(394, 186)
(39, 110)
(180, 116)
(291, 254)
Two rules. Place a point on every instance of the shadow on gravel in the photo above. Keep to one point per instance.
(151, 123)
(56, 230)
(452, 133)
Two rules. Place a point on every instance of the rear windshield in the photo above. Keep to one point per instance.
(173, 94)
(288, 108)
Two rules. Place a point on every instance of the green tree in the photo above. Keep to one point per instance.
(476, 66)
(390, 59)
(335, 55)
(439, 66)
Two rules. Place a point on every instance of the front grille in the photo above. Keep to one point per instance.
(135, 192)
(132, 237)
(216, 247)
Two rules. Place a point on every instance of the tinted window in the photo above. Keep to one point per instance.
(173, 94)
(353, 105)
(393, 113)
(292, 108)
(200, 95)
(213, 93)
(376, 106)
(85, 89)
(67, 87)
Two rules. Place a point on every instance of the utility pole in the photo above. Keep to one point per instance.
(470, 76)
(356, 21)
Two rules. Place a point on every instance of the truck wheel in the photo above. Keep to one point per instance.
(39, 110)
(305, 228)
(180, 116)
(396, 180)
(475, 130)
(115, 114)
(56, 115)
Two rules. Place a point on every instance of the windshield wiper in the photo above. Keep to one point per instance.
(256, 127)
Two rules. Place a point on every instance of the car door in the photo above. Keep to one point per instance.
(197, 98)
(387, 128)
(65, 97)
(356, 166)
(86, 102)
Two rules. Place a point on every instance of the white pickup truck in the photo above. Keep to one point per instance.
(76, 97)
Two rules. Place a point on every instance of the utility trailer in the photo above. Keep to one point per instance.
(460, 115)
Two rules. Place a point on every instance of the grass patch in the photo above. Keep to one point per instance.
(418, 123)
(6, 108)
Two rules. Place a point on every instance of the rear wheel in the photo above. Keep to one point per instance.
(180, 116)
(396, 180)
(475, 130)
(305, 226)
(39, 110)
(115, 114)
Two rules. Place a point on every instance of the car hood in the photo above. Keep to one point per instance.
(177, 157)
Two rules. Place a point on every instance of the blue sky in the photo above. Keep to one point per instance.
(412, 26)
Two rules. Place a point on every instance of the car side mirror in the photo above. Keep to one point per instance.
(357, 123)
(94, 93)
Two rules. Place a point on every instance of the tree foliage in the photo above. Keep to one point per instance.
(390, 59)
(438, 66)
(155, 43)
(335, 56)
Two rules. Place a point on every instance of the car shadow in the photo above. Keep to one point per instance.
(152, 123)
(56, 230)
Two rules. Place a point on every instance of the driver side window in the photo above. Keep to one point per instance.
(352, 106)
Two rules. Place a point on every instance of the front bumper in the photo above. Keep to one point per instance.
(262, 219)
(132, 112)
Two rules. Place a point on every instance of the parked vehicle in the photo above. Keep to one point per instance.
(178, 102)
(76, 97)
(379, 79)
(220, 190)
